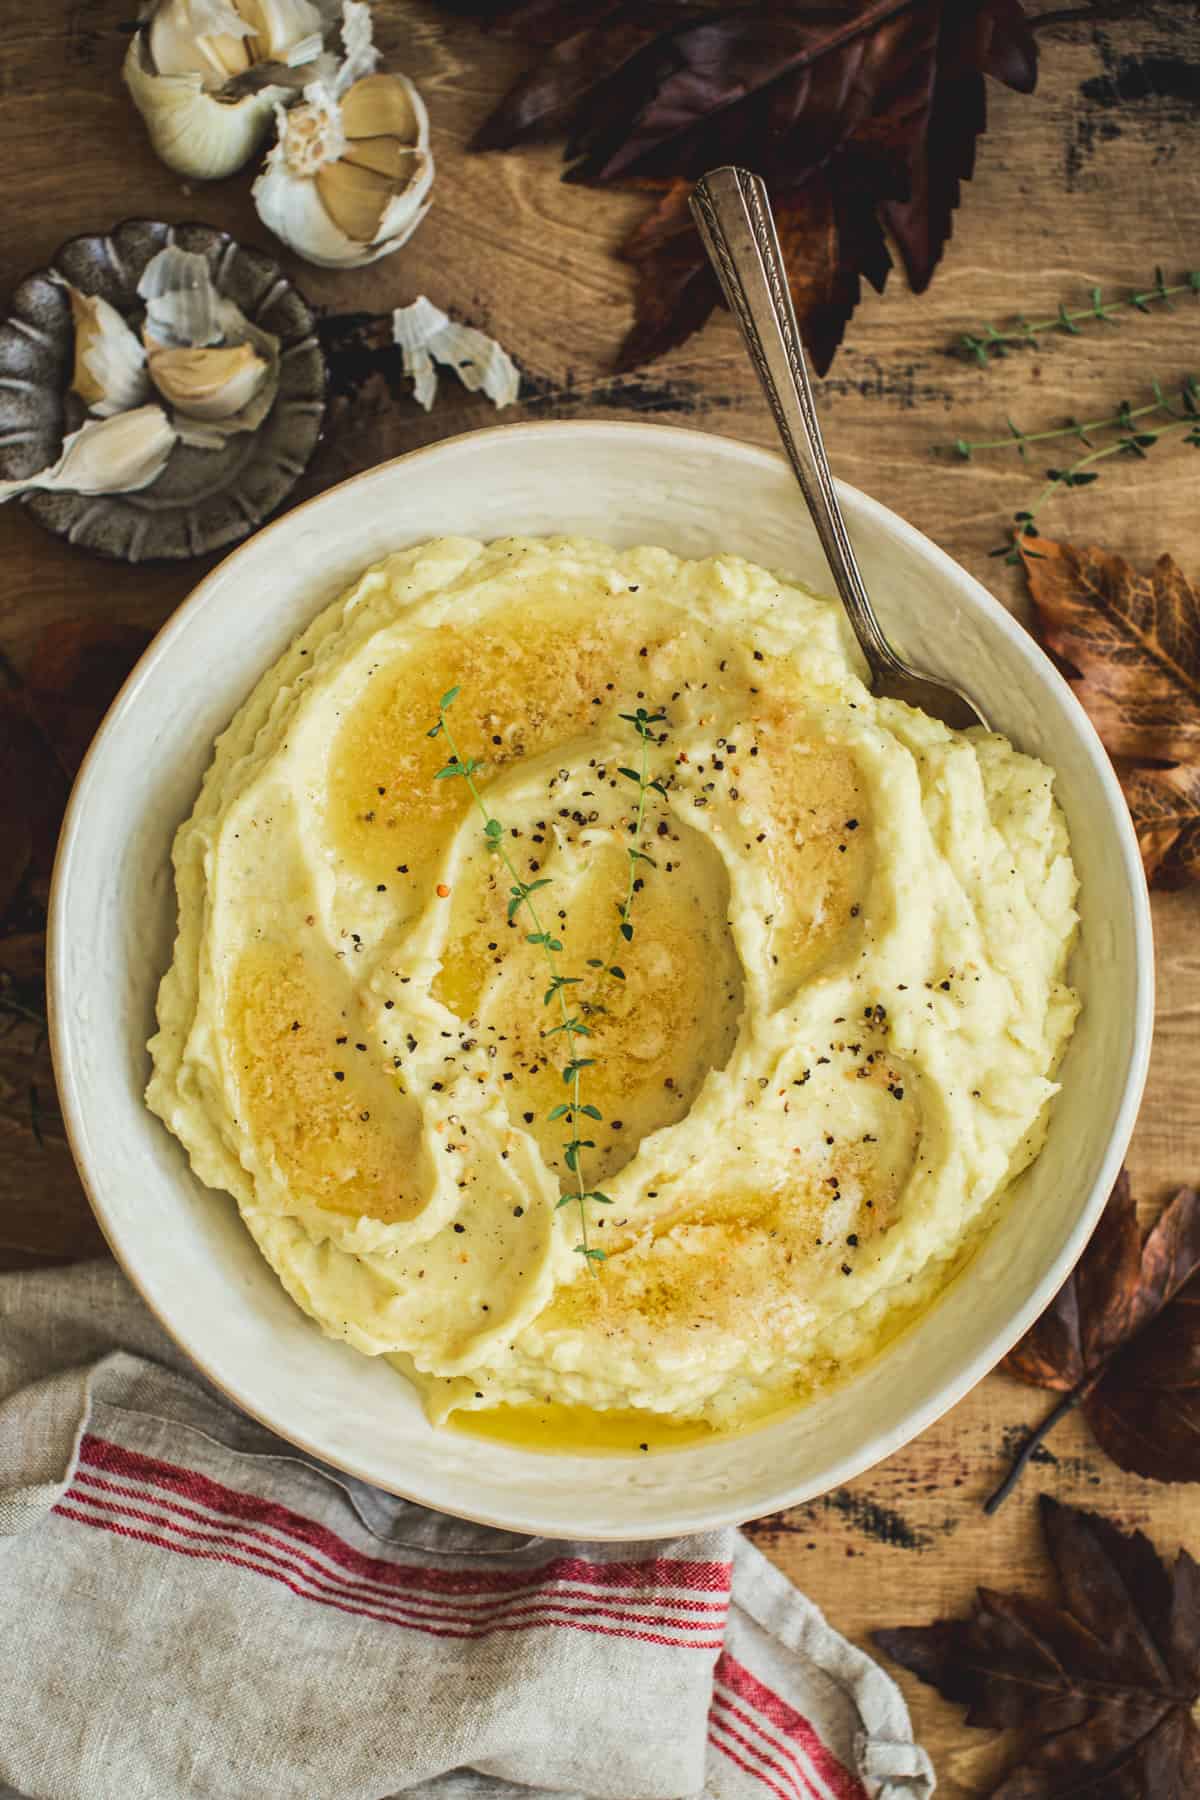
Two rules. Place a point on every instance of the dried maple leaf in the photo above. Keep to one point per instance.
(1105, 1685)
(46, 724)
(860, 116)
(1122, 1339)
(1130, 645)
(76, 671)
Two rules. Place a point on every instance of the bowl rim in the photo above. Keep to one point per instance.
(914, 1420)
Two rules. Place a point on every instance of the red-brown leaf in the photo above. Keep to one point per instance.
(77, 668)
(46, 723)
(1165, 804)
(1123, 1337)
(857, 117)
(1103, 1685)
(1130, 645)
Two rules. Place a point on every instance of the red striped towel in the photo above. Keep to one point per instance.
(190, 1608)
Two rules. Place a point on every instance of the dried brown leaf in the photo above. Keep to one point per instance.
(857, 117)
(1130, 645)
(1132, 642)
(1122, 1339)
(1104, 1686)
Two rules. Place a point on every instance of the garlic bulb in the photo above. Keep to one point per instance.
(219, 371)
(347, 180)
(425, 335)
(120, 455)
(110, 364)
(207, 76)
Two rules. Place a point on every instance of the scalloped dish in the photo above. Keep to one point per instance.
(827, 1053)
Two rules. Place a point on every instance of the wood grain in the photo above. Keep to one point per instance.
(1092, 181)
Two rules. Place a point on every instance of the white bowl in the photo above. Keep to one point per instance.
(113, 920)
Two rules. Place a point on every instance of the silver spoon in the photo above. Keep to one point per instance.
(731, 208)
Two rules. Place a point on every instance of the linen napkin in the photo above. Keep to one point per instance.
(188, 1607)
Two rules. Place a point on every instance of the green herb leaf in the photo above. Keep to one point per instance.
(448, 698)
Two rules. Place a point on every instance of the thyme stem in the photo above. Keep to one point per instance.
(567, 1026)
(1137, 430)
(463, 768)
(981, 345)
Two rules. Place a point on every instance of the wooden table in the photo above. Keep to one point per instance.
(1075, 187)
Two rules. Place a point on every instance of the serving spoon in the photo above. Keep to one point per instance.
(731, 209)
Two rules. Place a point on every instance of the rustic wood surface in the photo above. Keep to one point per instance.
(1093, 180)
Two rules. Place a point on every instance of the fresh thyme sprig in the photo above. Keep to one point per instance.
(570, 1026)
(643, 723)
(1134, 436)
(981, 345)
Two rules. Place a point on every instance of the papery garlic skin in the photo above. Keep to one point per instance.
(110, 364)
(182, 302)
(180, 64)
(120, 455)
(425, 335)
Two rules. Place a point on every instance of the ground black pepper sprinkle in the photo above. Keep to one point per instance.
(459, 1227)
(339, 1075)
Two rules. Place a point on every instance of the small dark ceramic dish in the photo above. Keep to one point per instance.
(204, 499)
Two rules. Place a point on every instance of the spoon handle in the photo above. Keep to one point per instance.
(731, 209)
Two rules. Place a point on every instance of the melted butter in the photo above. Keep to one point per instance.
(527, 677)
(555, 1429)
(341, 1128)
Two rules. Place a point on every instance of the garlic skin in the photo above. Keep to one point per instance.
(207, 76)
(110, 364)
(425, 335)
(119, 455)
(348, 178)
(218, 370)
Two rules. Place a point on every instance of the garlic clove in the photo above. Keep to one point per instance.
(199, 37)
(385, 106)
(288, 31)
(110, 364)
(219, 371)
(385, 155)
(355, 198)
(211, 383)
(120, 455)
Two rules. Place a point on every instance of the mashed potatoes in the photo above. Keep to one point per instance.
(832, 1052)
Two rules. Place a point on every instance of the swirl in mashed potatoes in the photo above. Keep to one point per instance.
(832, 1054)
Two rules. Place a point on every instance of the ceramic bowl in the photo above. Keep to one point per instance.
(203, 500)
(113, 922)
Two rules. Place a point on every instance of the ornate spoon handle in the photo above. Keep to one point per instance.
(733, 214)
